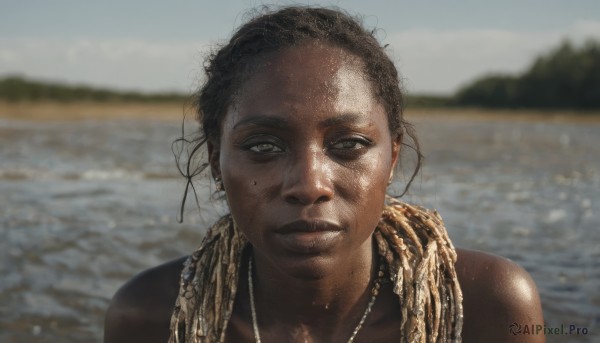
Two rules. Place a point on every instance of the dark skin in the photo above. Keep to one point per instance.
(316, 152)
(496, 291)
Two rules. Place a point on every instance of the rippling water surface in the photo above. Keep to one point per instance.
(85, 205)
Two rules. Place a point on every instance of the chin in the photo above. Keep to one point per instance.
(307, 267)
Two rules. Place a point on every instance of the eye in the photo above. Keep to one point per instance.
(264, 148)
(350, 148)
(351, 144)
(348, 144)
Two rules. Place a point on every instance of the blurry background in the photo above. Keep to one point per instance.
(505, 97)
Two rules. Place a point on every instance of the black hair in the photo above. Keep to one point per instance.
(270, 31)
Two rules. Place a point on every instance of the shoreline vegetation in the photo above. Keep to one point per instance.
(562, 84)
(90, 110)
(174, 111)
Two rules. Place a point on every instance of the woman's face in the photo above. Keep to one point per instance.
(305, 157)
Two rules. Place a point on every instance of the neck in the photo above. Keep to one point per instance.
(333, 301)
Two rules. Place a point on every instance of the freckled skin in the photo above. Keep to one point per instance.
(306, 139)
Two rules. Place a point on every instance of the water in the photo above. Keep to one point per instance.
(85, 205)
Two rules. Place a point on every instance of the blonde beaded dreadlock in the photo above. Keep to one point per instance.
(412, 240)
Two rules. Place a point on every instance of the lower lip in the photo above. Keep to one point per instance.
(313, 242)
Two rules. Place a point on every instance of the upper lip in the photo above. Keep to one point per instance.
(309, 226)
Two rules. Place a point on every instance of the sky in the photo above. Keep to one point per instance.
(151, 45)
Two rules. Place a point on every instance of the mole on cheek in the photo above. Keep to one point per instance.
(254, 182)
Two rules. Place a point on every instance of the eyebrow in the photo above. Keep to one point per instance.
(264, 121)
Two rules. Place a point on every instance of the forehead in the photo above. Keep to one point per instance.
(312, 72)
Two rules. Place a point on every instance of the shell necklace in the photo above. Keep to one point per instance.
(374, 293)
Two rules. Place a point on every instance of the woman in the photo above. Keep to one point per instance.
(302, 118)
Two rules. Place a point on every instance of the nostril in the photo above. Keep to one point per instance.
(293, 200)
(322, 199)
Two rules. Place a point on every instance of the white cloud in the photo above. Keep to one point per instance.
(430, 60)
(126, 64)
(585, 28)
(442, 61)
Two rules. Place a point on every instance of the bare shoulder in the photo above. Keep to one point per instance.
(140, 311)
(497, 294)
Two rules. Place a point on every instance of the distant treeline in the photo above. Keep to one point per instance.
(16, 88)
(565, 77)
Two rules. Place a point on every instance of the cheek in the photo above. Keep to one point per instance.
(373, 173)
(366, 185)
(249, 188)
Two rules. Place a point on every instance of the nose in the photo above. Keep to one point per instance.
(308, 179)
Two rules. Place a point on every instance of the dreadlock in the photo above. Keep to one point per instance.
(412, 240)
